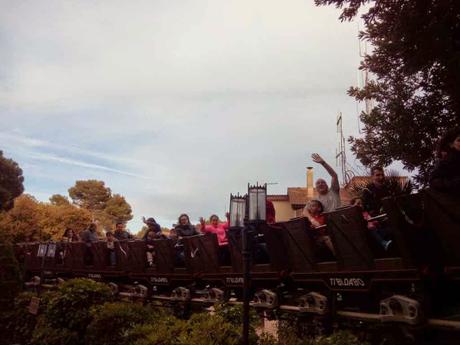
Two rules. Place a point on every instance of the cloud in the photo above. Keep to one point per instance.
(173, 104)
(54, 158)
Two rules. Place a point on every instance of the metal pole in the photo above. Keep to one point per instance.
(246, 284)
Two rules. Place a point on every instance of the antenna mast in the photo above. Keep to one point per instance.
(340, 156)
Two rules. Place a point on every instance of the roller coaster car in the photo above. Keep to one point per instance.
(362, 282)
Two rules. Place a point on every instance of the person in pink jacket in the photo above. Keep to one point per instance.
(220, 229)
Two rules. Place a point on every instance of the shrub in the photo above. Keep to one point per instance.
(339, 338)
(45, 334)
(66, 313)
(266, 339)
(200, 329)
(10, 276)
(112, 322)
(168, 331)
(17, 324)
(206, 329)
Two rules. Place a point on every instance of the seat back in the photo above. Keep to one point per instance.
(75, 255)
(442, 212)
(300, 249)
(234, 236)
(235, 246)
(348, 231)
(100, 255)
(404, 212)
(137, 257)
(123, 255)
(201, 253)
(165, 255)
(274, 239)
(32, 260)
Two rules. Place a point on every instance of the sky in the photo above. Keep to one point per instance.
(174, 104)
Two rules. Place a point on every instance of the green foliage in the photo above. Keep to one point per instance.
(117, 209)
(59, 200)
(67, 312)
(200, 329)
(90, 194)
(234, 314)
(299, 331)
(11, 182)
(94, 196)
(80, 312)
(168, 331)
(266, 339)
(112, 322)
(339, 338)
(415, 64)
(17, 324)
(45, 334)
(205, 329)
(10, 276)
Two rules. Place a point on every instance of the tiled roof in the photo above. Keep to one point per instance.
(278, 197)
(299, 195)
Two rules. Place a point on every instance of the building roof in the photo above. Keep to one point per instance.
(278, 197)
(299, 196)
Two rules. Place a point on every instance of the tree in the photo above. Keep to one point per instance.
(117, 209)
(91, 194)
(59, 200)
(416, 64)
(21, 223)
(54, 219)
(11, 182)
(106, 208)
(31, 220)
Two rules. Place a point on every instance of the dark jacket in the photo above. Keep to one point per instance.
(372, 198)
(122, 235)
(186, 230)
(446, 175)
(89, 236)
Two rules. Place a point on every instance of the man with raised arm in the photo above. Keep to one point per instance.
(329, 197)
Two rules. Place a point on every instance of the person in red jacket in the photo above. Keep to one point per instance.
(314, 212)
(270, 212)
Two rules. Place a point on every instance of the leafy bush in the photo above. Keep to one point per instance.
(45, 334)
(234, 314)
(67, 312)
(10, 276)
(112, 322)
(339, 338)
(206, 329)
(17, 324)
(81, 311)
(168, 331)
(266, 339)
(200, 329)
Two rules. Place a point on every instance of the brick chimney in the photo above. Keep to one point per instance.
(310, 182)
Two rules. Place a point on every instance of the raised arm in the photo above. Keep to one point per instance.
(334, 178)
(203, 225)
